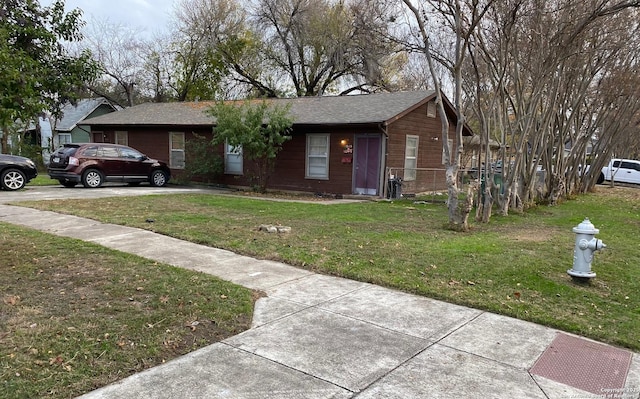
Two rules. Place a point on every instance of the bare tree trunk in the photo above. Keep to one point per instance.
(452, 11)
(552, 69)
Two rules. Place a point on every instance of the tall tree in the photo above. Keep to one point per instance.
(315, 44)
(157, 70)
(120, 51)
(36, 72)
(462, 18)
(545, 65)
(293, 47)
(205, 30)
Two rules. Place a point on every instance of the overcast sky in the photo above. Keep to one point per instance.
(150, 15)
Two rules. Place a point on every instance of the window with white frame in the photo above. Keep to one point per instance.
(410, 157)
(122, 137)
(317, 156)
(176, 150)
(232, 159)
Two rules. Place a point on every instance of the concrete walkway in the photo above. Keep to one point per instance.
(315, 336)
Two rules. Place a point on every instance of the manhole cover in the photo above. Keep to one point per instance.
(583, 364)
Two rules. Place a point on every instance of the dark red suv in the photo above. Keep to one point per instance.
(95, 163)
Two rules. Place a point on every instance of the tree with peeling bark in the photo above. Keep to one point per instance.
(540, 76)
(549, 66)
(462, 19)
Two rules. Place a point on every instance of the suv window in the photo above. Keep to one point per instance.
(130, 153)
(108, 152)
(67, 151)
(91, 151)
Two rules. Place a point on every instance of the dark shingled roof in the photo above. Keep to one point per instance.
(328, 110)
(73, 115)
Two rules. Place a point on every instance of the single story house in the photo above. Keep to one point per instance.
(340, 144)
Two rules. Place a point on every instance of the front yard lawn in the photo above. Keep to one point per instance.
(515, 265)
(76, 316)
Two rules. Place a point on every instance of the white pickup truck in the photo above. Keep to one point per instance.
(622, 171)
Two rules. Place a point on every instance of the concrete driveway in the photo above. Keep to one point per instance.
(40, 193)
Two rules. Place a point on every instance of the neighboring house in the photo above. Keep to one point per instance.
(67, 128)
(35, 133)
(568, 146)
(340, 145)
(474, 152)
(48, 133)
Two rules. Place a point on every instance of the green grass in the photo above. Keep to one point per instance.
(43, 179)
(515, 265)
(75, 316)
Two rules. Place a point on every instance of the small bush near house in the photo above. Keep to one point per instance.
(203, 164)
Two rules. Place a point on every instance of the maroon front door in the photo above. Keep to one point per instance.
(367, 154)
(98, 137)
(102, 137)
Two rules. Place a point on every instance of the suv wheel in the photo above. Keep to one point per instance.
(158, 178)
(92, 178)
(13, 179)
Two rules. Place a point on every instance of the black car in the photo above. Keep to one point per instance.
(16, 172)
(95, 163)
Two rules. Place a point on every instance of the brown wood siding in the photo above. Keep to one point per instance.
(417, 123)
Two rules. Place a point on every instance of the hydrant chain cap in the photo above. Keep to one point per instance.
(586, 227)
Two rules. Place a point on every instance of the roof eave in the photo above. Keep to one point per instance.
(146, 124)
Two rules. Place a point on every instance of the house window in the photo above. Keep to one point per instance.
(431, 109)
(411, 157)
(232, 159)
(64, 138)
(122, 138)
(176, 149)
(317, 156)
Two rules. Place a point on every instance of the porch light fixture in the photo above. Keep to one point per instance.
(435, 138)
(344, 142)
